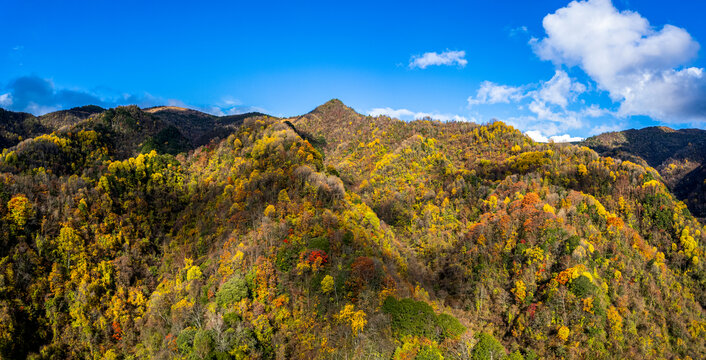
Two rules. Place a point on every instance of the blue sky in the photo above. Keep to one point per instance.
(550, 68)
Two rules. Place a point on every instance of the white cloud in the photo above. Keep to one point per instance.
(227, 109)
(565, 138)
(433, 58)
(604, 128)
(595, 111)
(551, 124)
(548, 101)
(491, 93)
(637, 64)
(6, 99)
(559, 89)
(39, 96)
(545, 112)
(441, 117)
(35, 108)
(537, 135)
(395, 113)
(405, 114)
(641, 68)
(519, 30)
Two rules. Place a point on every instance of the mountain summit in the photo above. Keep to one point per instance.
(333, 108)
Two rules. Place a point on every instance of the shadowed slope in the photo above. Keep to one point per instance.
(678, 155)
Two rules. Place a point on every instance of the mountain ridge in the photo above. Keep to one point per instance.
(678, 155)
(339, 235)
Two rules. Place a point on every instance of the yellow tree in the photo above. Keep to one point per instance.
(19, 210)
(357, 319)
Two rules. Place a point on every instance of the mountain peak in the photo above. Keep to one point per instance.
(335, 102)
(155, 109)
(334, 107)
(666, 129)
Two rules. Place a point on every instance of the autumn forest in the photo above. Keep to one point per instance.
(165, 233)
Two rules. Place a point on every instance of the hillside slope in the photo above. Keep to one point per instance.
(678, 155)
(16, 126)
(197, 126)
(80, 140)
(337, 235)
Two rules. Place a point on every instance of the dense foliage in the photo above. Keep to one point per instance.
(678, 155)
(336, 235)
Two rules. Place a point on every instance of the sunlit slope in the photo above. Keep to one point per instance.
(337, 235)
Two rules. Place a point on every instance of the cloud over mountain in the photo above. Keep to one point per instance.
(39, 96)
(36, 95)
(491, 93)
(640, 67)
(546, 101)
(405, 114)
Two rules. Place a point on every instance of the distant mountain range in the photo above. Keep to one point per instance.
(123, 131)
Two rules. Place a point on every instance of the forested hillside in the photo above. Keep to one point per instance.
(678, 155)
(136, 234)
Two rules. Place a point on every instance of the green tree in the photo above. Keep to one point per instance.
(232, 291)
(488, 348)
